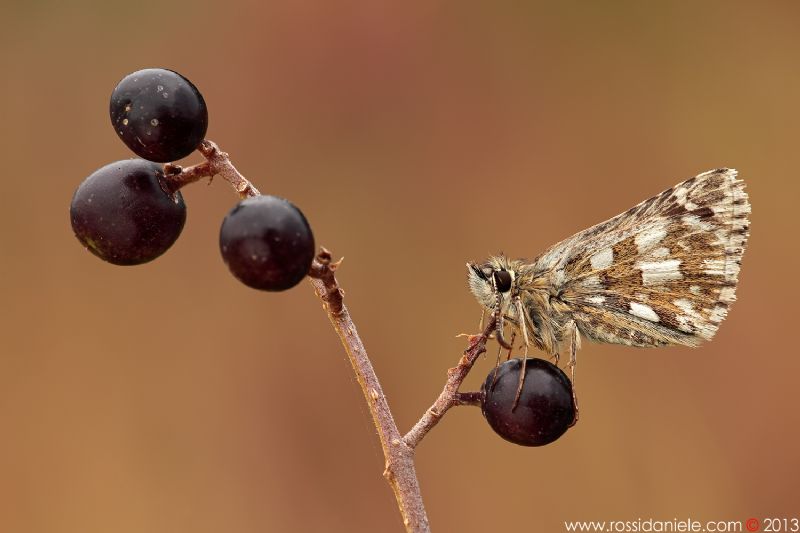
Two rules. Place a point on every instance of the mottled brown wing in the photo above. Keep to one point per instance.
(664, 272)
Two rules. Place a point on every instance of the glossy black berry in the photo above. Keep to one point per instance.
(267, 243)
(545, 409)
(159, 114)
(122, 214)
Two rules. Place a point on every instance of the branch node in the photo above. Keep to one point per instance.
(207, 148)
(324, 255)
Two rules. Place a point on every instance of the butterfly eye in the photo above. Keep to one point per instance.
(502, 280)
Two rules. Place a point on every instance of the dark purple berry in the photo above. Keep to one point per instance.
(122, 214)
(267, 243)
(545, 409)
(159, 114)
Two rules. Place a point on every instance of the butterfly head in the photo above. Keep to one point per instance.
(490, 280)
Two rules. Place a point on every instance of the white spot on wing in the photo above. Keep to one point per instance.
(727, 294)
(685, 305)
(680, 195)
(649, 238)
(657, 272)
(643, 311)
(602, 259)
(660, 253)
(717, 314)
(714, 267)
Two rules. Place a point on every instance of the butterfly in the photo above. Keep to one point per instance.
(662, 273)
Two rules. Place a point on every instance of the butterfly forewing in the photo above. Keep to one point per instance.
(663, 272)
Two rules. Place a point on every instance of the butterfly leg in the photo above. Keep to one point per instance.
(513, 336)
(499, 315)
(524, 327)
(523, 323)
(498, 332)
(574, 346)
(497, 363)
(521, 378)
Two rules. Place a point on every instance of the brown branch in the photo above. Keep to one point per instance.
(398, 450)
(400, 471)
(450, 395)
(217, 162)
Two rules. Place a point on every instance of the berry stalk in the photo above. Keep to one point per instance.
(217, 163)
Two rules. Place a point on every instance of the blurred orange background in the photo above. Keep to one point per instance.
(415, 136)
